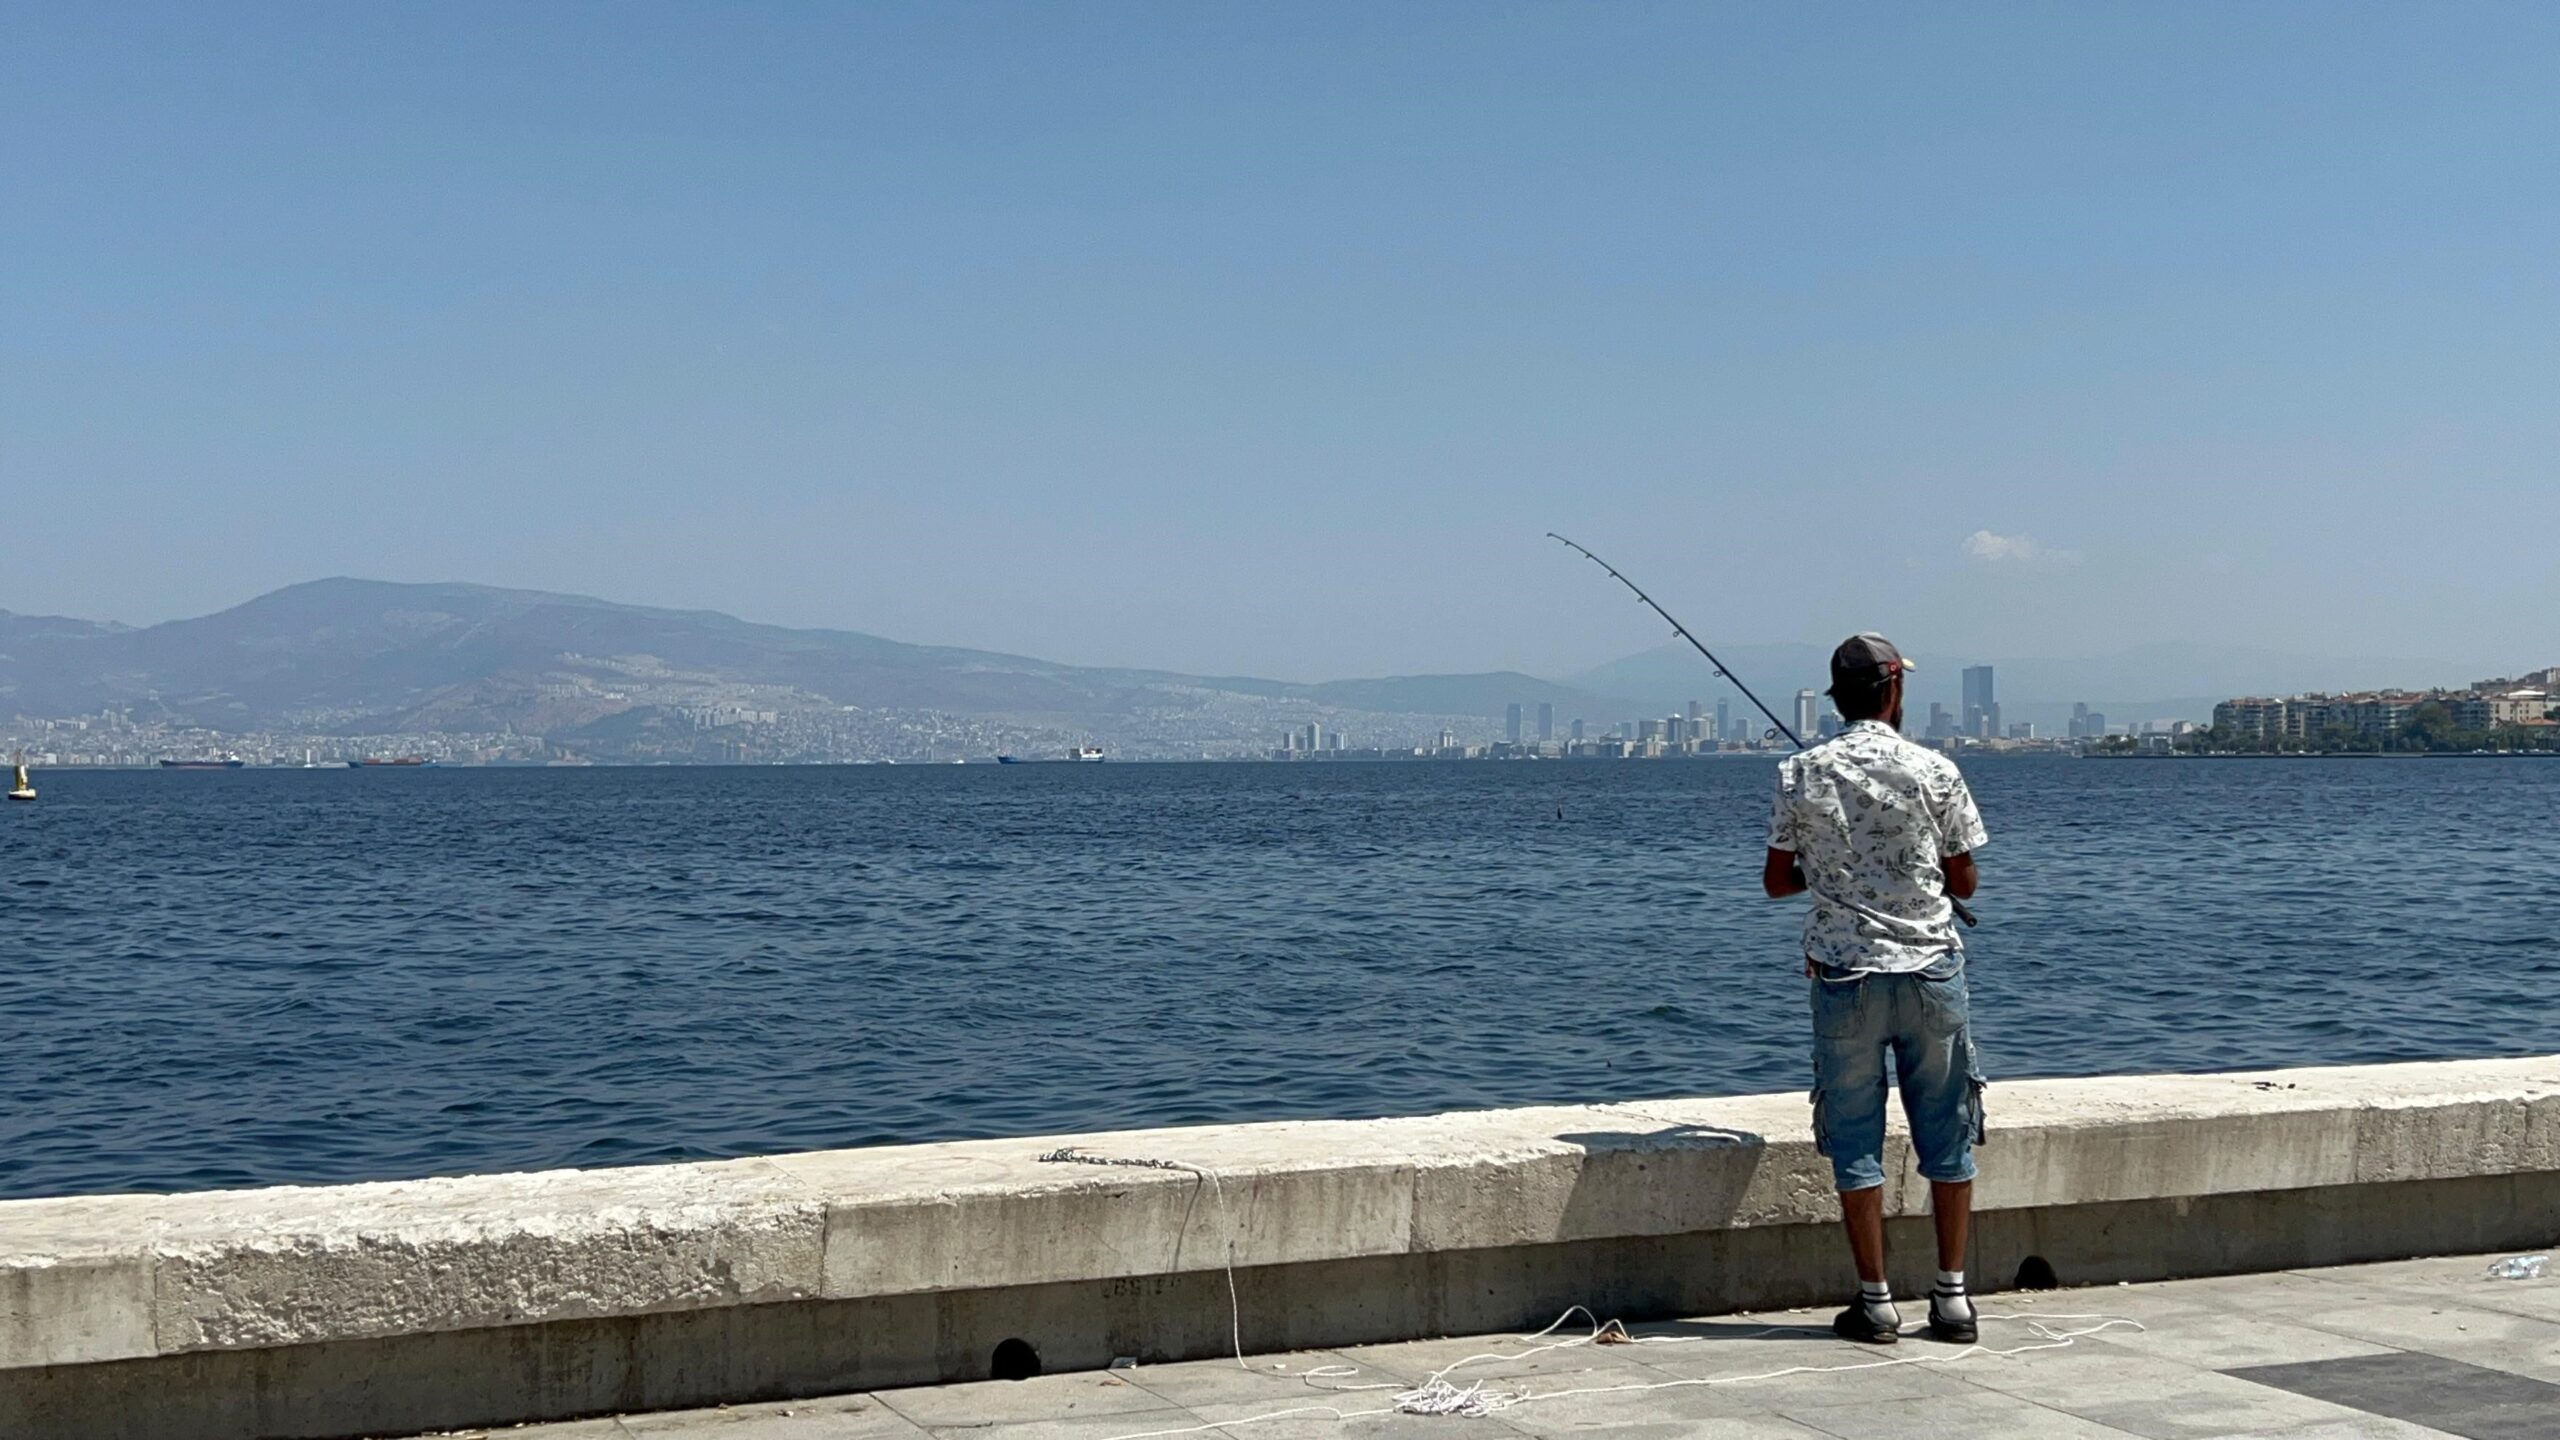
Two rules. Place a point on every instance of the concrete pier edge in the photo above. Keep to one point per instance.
(416, 1305)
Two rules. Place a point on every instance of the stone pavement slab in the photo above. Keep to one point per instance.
(1978, 1416)
(1266, 1380)
(2187, 1376)
(2448, 1395)
(2363, 1427)
(844, 1417)
(1012, 1402)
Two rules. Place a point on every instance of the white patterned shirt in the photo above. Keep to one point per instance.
(1869, 816)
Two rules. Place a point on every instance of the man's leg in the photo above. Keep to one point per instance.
(1933, 1053)
(1951, 1205)
(1848, 1121)
(1862, 1214)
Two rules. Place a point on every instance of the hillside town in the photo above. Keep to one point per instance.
(2523, 709)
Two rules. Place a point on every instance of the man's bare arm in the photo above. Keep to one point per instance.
(1780, 876)
(1960, 876)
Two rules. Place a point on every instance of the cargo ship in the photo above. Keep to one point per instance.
(388, 762)
(227, 762)
(1081, 755)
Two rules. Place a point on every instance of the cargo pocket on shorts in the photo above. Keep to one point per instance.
(1973, 1095)
(1821, 1131)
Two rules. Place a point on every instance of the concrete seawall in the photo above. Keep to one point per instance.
(488, 1299)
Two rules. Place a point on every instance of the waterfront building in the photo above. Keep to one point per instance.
(1806, 715)
(1314, 737)
(1546, 721)
(1648, 730)
(1511, 722)
(2521, 706)
(2250, 717)
(1724, 720)
(1577, 732)
(1981, 703)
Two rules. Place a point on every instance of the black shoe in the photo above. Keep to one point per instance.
(1954, 1332)
(1856, 1324)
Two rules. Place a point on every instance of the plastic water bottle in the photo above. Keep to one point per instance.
(2519, 1267)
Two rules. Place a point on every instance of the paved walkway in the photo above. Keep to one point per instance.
(2420, 1348)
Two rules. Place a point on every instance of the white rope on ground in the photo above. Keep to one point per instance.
(1438, 1395)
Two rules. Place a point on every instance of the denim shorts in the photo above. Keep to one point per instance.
(1922, 1017)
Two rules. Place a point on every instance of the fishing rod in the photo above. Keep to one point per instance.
(1962, 912)
(1683, 632)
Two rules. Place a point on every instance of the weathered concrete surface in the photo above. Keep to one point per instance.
(482, 1299)
(2427, 1340)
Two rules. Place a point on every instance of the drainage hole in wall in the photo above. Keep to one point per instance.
(1016, 1360)
(2036, 1273)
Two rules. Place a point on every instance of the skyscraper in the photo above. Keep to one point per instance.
(1314, 737)
(1511, 723)
(1577, 732)
(1546, 721)
(1806, 712)
(1724, 720)
(1981, 703)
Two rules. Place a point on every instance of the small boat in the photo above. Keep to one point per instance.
(20, 787)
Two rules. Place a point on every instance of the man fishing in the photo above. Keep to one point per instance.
(1882, 833)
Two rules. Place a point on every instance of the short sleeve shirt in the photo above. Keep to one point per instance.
(1869, 816)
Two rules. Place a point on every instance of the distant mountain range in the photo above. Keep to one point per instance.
(364, 656)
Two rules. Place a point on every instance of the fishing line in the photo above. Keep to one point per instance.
(1962, 911)
(1070, 1155)
(1437, 1394)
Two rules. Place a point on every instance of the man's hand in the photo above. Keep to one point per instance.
(1780, 876)
(1960, 876)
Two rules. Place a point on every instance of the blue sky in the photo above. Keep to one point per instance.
(1271, 338)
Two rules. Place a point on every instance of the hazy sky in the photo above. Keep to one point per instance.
(1270, 338)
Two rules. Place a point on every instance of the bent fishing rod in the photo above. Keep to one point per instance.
(1962, 912)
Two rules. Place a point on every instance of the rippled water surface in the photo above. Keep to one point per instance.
(246, 978)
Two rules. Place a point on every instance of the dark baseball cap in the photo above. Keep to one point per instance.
(1866, 658)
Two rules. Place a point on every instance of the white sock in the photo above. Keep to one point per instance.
(1876, 1298)
(1948, 1296)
